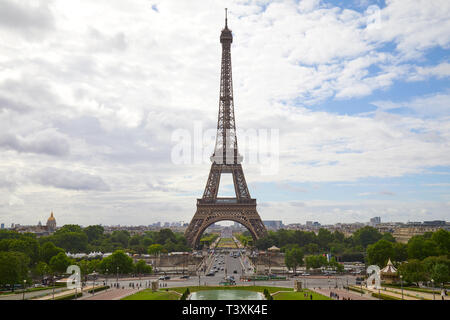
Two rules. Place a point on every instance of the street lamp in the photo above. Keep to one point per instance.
(94, 274)
(54, 278)
(401, 283)
(106, 278)
(117, 278)
(360, 284)
(432, 283)
(23, 297)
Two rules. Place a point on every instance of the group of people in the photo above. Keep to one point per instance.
(137, 286)
(334, 295)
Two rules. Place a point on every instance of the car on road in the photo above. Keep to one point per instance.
(234, 271)
(184, 277)
(210, 274)
(164, 278)
(306, 274)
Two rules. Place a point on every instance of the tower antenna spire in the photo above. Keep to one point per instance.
(226, 17)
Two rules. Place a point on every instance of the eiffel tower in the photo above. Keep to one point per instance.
(225, 159)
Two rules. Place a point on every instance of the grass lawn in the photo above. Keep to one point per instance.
(299, 296)
(226, 243)
(149, 295)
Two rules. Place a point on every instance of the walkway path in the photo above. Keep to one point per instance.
(408, 294)
(417, 294)
(65, 293)
(112, 294)
(343, 294)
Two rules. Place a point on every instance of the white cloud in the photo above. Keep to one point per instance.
(102, 96)
(430, 105)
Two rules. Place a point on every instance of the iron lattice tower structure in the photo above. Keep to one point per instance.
(225, 159)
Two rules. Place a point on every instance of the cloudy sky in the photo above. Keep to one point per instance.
(91, 93)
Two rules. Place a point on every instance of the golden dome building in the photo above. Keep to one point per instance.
(51, 223)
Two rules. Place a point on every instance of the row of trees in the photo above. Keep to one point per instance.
(344, 248)
(294, 258)
(73, 238)
(430, 244)
(421, 259)
(23, 256)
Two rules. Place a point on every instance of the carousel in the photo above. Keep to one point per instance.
(389, 273)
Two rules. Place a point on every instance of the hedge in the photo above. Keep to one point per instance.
(384, 296)
(356, 290)
(98, 289)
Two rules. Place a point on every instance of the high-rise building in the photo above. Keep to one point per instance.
(375, 220)
(273, 224)
(2, 226)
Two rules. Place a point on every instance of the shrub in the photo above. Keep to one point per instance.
(384, 296)
(98, 289)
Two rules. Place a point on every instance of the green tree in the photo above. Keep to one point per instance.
(49, 250)
(338, 237)
(94, 232)
(117, 260)
(440, 273)
(324, 238)
(400, 252)
(59, 263)
(27, 245)
(442, 239)
(154, 249)
(379, 252)
(141, 267)
(312, 248)
(264, 243)
(164, 235)
(13, 268)
(121, 236)
(365, 236)
(41, 269)
(314, 262)
(70, 241)
(419, 248)
(69, 228)
(294, 258)
(388, 237)
(413, 271)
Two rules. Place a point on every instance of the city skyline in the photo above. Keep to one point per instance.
(91, 93)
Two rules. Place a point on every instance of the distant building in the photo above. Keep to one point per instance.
(435, 223)
(375, 221)
(51, 223)
(309, 223)
(2, 226)
(273, 224)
